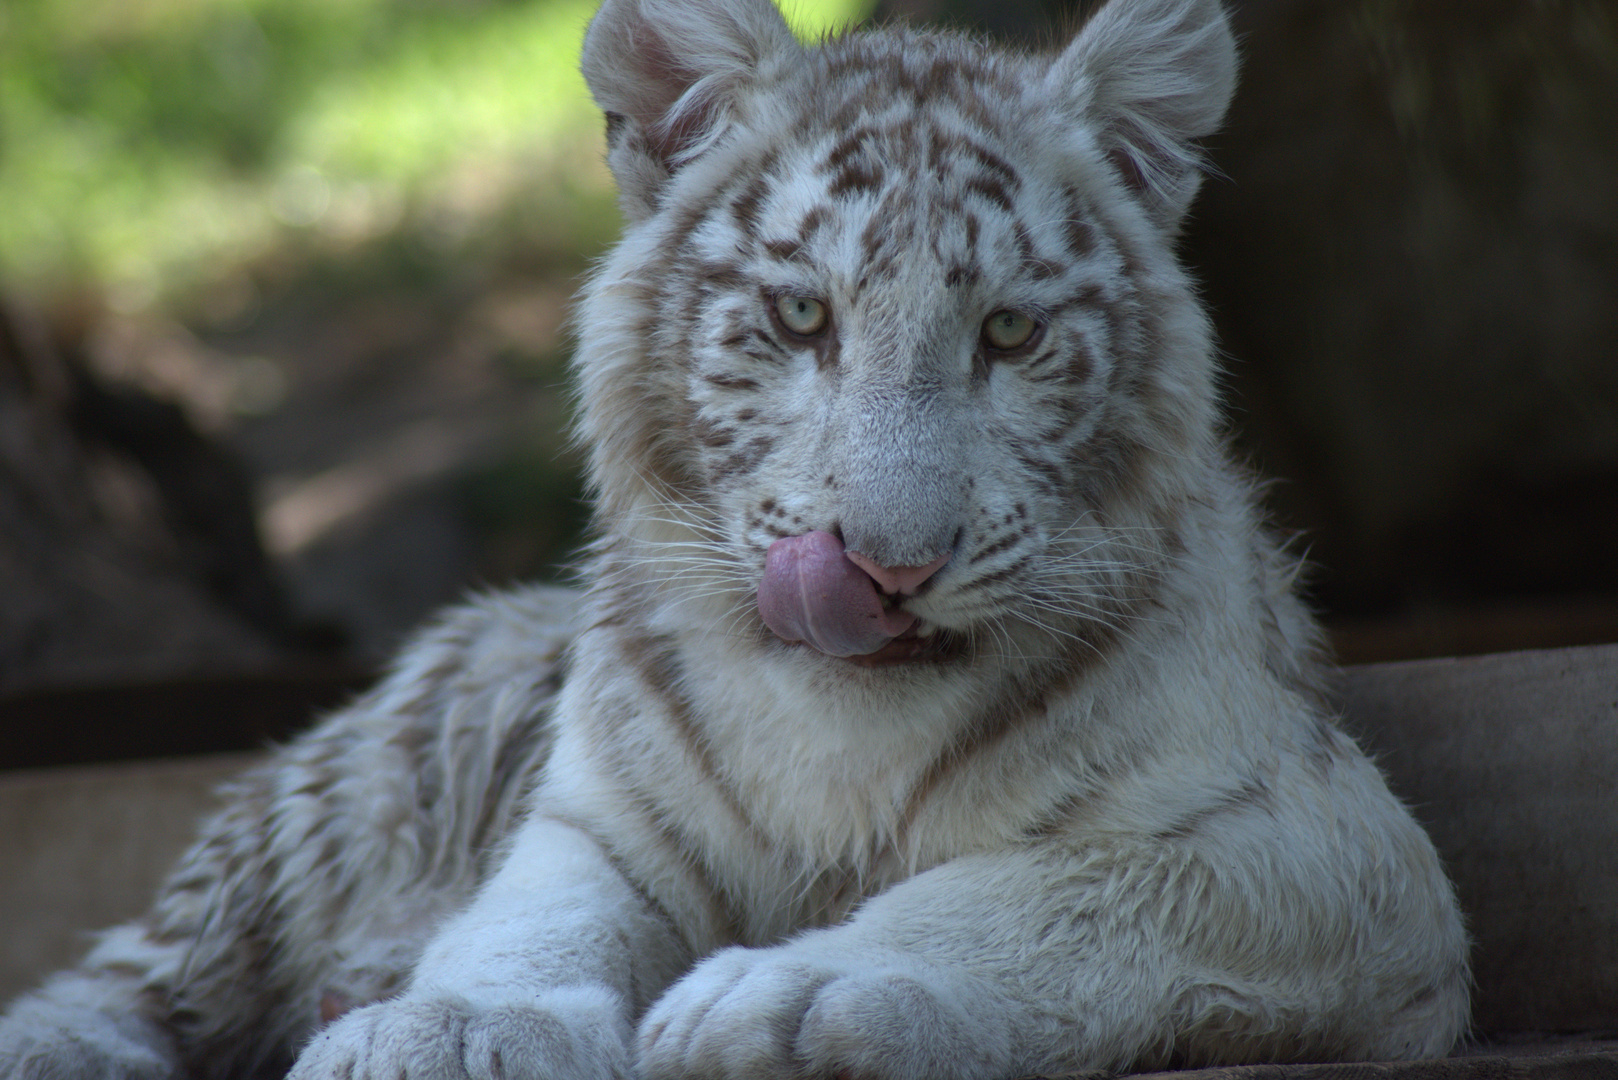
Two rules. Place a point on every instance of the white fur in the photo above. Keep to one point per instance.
(1111, 827)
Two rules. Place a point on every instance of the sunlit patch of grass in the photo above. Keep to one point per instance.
(149, 146)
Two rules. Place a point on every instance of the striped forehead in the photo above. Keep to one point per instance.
(928, 122)
(920, 154)
(890, 161)
(902, 191)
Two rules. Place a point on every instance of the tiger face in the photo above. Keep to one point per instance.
(913, 363)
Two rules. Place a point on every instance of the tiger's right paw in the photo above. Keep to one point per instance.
(572, 1034)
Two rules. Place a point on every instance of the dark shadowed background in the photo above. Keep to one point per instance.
(283, 282)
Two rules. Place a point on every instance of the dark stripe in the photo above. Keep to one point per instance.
(995, 577)
(994, 549)
(1065, 422)
(1077, 228)
(710, 433)
(687, 222)
(856, 179)
(990, 729)
(1032, 261)
(1251, 793)
(660, 674)
(837, 159)
(745, 209)
(1053, 476)
(785, 250)
(748, 457)
(1092, 295)
(828, 351)
(730, 381)
(616, 124)
(993, 162)
(724, 276)
(939, 159)
(812, 221)
(523, 748)
(772, 346)
(991, 189)
(873, 238)
(1096, 639)
(1041, 269)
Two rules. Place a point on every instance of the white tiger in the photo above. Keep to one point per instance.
(938, 706)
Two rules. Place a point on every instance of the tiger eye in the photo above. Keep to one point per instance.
(803, 315)
(1008, 329)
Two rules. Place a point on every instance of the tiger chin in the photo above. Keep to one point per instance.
(938, 704)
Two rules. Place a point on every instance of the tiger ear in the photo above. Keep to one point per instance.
(1151, 77)
(666, 73)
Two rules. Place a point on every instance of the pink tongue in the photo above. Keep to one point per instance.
(812, 593)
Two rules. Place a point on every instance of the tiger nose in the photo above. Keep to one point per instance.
(904, 580)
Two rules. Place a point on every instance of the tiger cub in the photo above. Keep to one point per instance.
(938, 705)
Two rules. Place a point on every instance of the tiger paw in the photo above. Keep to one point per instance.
(574, 1034)
(792, 1011)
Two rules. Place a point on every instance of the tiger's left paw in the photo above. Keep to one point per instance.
(795, 1011)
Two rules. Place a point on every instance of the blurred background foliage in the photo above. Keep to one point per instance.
(320, 251)
(152, 147)
(283, 287)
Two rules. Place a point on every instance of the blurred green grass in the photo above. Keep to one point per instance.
(148, 147)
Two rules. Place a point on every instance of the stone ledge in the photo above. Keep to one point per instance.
(1511, 761)
(1576, 1059)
